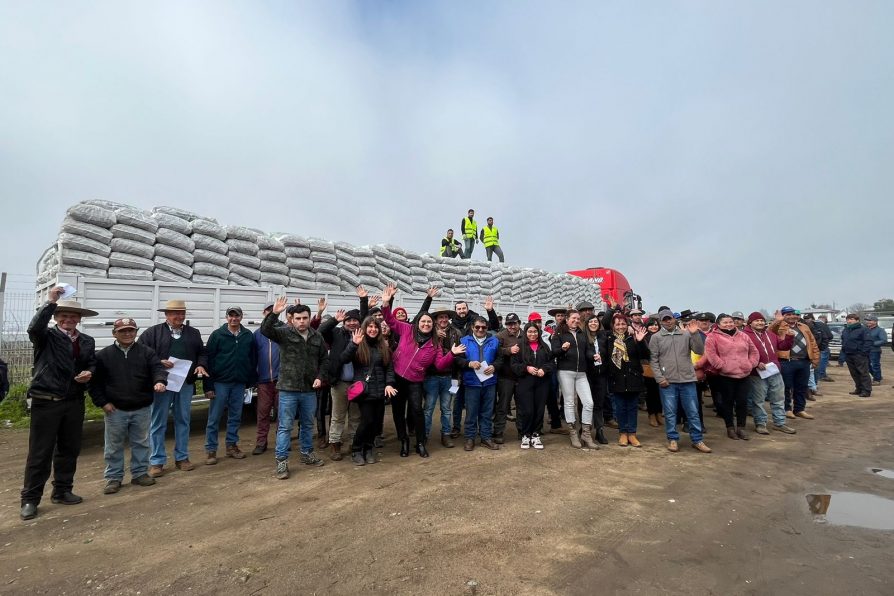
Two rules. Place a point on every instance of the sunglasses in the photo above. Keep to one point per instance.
(479, 328)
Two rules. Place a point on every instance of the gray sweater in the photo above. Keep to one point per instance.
(670, 359)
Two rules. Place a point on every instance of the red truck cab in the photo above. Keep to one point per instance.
(611, 282)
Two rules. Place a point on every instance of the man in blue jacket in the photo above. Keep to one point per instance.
(482, 355)
(233, 361)
(856, 346)
(879, 339)
(268, 375)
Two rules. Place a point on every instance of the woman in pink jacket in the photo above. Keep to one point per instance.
(415, 353)
(731, 356)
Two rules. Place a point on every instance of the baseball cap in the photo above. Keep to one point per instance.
(534, 316)
(737, 314)
(124, 324)
(706, 316)
(512, 318)
(665, 314)
(787, 310)
(234, 309)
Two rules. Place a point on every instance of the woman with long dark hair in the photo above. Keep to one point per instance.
(595, 375)
(569, 346)
(416, 351)
(370, 355)
(532, 364)
(623, 354)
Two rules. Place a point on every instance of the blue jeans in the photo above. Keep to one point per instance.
(468, 247)
(823, 363)
(875, 365)
(304, 404)
(123, 428)
(796, 376)
(180, 402)
(626, 408)
(437, 389)
(480, 411)
(227, 396)
(686, 394)
(771, 389)
(811, 379)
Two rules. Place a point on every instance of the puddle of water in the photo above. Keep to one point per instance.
(854, 509)
(882, 472)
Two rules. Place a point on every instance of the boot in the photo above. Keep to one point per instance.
(731, 433)
(420, 449)
(586, 437)
(575, 440)
(622, 440)
(405, 447)
(653, 420)
(445, 441)
(336, 452)
(600, 436)
(634, 442)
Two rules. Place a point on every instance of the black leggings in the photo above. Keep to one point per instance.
(531, 394)
(733, 395)
(408, 393)
(371, 412)
(653, 396)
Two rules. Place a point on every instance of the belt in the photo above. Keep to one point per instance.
(47, 397)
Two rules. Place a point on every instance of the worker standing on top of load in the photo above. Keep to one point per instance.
(490, 236)
(450, 246)
(470, 234)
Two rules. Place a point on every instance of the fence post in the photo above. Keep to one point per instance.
(2, 307)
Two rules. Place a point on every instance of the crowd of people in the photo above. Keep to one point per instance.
(583, 372)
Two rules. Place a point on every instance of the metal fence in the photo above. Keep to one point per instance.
(16, 311)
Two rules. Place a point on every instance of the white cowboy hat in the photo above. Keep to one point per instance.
(75, 307)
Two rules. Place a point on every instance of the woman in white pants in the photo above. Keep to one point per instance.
(573, 351)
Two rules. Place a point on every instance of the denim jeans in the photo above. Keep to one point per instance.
(437, 390)
(480, 411)
(123, 428)
(823, 363)
(304, 404)
(180, 402)
(227, 396)
(688, 398)
(875, 365)
(795, 375)
(811, 379)
(771, 389)
(626, 409)
(468, 247)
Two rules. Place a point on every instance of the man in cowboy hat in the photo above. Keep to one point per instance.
(64, 362)
(127, 376)
(173, 339)
(437, 383)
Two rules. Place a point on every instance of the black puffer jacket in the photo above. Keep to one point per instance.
(628, 378)
(338, 339)
(526, 357)
(126, 381)
(380, 375)
(55, 365)
(576, 357)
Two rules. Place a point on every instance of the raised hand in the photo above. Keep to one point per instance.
(692, 326)
(639, 334)
(361, 292)
(458, 349)
(489, 303)
(433, 291)
(389, 292)
(279, 305)
(321, 306)
(357, 338)
(373, 300)
(340, 315)
(55, 294)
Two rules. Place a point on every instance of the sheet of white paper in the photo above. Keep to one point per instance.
(177, 374)
(479, 372)
(768, 372)
(246, 397)
(70, 291)
(454, 387)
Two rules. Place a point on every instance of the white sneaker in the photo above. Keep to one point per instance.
(536, 443)
(526, 442)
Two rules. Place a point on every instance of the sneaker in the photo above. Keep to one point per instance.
(112, 486)
(526, 442)
(144, 480)
(784, 429)
(877, 382)
(357, 458)
(66, 498)
(536, 443)
(234, 452)
(282, 469)
(310, 459)
(156, 471)
(761, 429)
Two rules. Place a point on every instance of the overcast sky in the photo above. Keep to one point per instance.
(722, 155)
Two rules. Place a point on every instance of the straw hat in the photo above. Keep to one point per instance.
(75, 307)
(441, 310)
(173, 305)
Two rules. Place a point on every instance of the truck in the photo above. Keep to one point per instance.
(612, 283)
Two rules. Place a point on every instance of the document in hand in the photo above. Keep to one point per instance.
(768, 372)
(177, 374)
(479, 372)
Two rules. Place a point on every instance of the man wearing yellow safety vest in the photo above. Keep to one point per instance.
(450, 246)
(490, 236)
(470, 234)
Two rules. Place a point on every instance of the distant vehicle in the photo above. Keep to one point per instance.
(885, 323)
(835, 342)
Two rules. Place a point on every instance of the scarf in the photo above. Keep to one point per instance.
(619, 351)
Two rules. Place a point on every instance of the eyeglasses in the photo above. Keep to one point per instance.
(479, 328)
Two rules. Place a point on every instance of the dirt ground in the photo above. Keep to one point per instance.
(641, 521)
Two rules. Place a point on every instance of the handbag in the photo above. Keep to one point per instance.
(357, 388)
